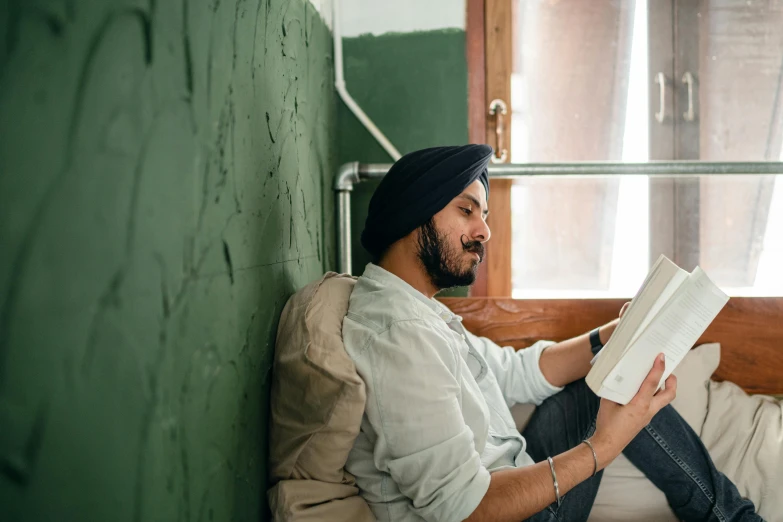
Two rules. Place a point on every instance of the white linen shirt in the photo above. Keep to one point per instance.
(437, 420)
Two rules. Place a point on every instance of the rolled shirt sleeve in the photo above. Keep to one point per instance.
(517, 371)
(412, 375)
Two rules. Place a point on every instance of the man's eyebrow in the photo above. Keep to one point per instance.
(474, 201)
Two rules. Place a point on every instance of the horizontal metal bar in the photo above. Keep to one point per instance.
(368, 171)
(654, 168)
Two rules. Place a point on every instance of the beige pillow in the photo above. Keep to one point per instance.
(693, 379)
(744, 435)
(317, 501)
(317, 403)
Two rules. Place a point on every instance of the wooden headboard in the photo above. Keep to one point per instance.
(749, 329)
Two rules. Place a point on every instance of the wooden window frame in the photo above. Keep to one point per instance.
(488, 46)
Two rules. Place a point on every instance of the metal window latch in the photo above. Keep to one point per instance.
(499, 109)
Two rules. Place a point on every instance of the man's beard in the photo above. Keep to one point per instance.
(442, 262)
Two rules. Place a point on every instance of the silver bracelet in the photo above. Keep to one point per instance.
(554, 479)
(595, 457)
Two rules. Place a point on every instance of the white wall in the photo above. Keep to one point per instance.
(400, 16)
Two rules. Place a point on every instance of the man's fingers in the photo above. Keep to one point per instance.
(650, 384)
(664, 397)
(624, 308)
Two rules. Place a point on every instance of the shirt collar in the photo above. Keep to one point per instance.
(386, 278)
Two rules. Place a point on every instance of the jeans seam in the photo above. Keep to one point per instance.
(688, 471)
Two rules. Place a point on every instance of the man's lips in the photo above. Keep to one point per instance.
(478, 255)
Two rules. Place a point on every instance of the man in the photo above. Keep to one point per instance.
(437, 440)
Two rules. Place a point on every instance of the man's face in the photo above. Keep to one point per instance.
(451, 244)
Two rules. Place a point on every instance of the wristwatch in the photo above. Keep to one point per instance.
(595, 341)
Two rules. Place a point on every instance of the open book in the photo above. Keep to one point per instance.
(668, 315)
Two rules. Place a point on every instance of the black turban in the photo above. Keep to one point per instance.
(418, 186)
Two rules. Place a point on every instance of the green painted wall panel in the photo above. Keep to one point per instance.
(414, 87)
(165, 185)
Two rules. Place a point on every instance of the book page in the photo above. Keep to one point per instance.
(678, 279)
(647, 300)
(673, 332)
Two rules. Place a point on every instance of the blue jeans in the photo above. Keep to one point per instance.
(667, 451)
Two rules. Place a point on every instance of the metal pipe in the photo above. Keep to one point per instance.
(352, 173)
(344, 250)
(339, 84)
(348, 175)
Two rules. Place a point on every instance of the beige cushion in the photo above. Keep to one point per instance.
(744, 435)
(316, 501)
(693, 379)
(317, 403)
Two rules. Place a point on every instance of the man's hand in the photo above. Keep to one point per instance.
(617, 425)
(624, 308)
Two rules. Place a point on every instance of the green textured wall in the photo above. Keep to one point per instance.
(165, 185)
(414, 86)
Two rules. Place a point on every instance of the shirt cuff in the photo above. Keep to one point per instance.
(472, 496)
